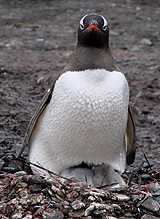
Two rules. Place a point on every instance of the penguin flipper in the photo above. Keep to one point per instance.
(130, 139)
(45, 101)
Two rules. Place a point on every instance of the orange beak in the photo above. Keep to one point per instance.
(93, 27)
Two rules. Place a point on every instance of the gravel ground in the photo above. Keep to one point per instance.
(36, 40)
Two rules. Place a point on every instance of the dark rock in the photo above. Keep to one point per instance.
(149, 217)
(52, 214)
(10, 169)
(76, 214)
(1, 164)
(33, 179)
(150, 204)
(35, 188)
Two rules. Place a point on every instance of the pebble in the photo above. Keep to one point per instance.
(1, 164)
(145, 176)
(89, 210)
(10, 169)
(120, 197)
(40, 79)
(98, 212)
(28, 217)
(17, 216)
(78, 186)
(146, 41)
(77, 204)
(95, 194)
(52, 214)
(150, 204)
(116, 207)
(33, 179)
(91, 198)
(128, 215)
(149, 217)
(57, 190)
(20, 173)
(100, 206)
(76, 214)
(110, 217)
(35, 188)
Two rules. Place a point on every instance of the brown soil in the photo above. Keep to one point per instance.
(36, 40)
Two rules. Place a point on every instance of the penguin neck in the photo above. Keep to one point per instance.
(84, 58)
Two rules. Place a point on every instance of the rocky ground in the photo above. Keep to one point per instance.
(36, 40)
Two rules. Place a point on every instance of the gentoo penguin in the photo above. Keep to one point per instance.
(85, 116)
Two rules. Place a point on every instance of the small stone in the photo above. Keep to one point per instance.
(145, 176)
(40, 79)
(52, 214)
(136, 198)
(111, 217)
(89, 210)
(17, 216)
(98, 212)
(20, 173)
(76, 214)
(146, 41)
(99, 206)
(57, 190)
(120, 197)
(1, 164)
(77, 186)
(29, 216)
(11, 103)
(33, 179)
(77, 204)
(91, 198)
(116, 207)
(95, 194)
(10, 169)
(35, 188)
(128, 215)
(150, 204)
(149, 217)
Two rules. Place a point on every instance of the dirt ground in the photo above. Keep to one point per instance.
(36, 38)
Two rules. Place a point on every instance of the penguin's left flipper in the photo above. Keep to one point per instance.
(130, 139)
(45, 101)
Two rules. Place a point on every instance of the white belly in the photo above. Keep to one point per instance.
(84, 121)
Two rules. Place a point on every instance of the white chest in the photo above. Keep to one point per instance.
(85, 121)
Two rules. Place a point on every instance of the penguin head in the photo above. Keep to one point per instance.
(93, 31)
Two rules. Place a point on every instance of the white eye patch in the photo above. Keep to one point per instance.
(105, 23)
(81, 23)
